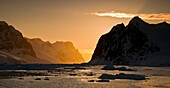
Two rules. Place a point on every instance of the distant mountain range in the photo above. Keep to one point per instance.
(138, 43)
(60, 52)
(15, 49)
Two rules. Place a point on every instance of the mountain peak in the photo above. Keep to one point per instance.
(164, 23)
(3, 23)
(118, 26)
(136, 19)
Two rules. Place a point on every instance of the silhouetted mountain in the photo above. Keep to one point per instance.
(139, 43)
(58, 52)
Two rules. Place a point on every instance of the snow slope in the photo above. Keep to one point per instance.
(6, 58)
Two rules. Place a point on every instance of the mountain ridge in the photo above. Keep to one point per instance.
(134, 44)
(13, 46)
(58, 52)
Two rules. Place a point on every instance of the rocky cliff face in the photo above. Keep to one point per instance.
(12, 41)
(13, 46)
(139, 43)
(58, 52)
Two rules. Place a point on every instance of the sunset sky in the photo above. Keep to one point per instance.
(79, 21)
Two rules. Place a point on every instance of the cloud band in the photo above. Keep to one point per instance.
(159, 16)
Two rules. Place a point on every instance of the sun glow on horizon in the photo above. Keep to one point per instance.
(87, 54)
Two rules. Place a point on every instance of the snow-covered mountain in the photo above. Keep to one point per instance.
(58, 52)
(12, 41)
(14, 48)
(13, 45)
(138, 43)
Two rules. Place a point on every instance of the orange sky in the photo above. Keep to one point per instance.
(74, 20)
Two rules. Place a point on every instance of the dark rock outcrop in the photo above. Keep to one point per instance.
(122, 76)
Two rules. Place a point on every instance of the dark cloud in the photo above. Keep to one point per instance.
(155, 6)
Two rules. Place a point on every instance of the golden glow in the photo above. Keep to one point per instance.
(74, 20)
(159, 16)
(87, 53)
